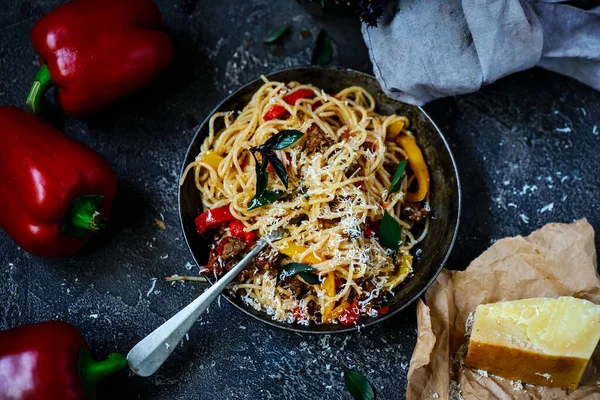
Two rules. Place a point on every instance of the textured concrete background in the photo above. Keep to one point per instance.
(526, 147)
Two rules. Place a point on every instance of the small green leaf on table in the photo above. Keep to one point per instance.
(323, 49)
(277, 34)
(358, 386)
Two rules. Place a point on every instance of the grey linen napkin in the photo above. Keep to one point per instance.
(428, 49)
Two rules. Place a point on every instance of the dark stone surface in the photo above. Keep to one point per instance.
(521, 145)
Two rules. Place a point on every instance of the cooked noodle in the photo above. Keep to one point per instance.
(333, 194)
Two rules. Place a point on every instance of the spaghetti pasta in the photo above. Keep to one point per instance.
(339, 174)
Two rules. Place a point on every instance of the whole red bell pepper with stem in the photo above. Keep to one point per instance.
(53, 189)
(50, 361)
(96, 51)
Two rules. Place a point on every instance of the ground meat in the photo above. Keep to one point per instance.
(223, 255)
(266, 259)
(316, 140)
(297, 287)
(414, 212)
(231, 247)
(345, 133)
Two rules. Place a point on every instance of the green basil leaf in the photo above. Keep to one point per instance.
(279, 168)
(283, 139)
(262, 176)
(323, 49)
(291, 269)
(276, 34)
(267, 197)
(390, 233)
(358, 386)
(311, 279)
(396, 182)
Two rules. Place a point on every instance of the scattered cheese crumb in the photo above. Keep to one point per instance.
(469, 324)
(151, 287)
(566, 129)
(434, 395)
(524, 218)
(482, 373)
(455, 391)
(518, 385)
(547, 376)
(547, 207)
(167, 345)
(95, 316)
(595, 130)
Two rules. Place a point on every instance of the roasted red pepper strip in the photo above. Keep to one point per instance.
(50, 361)
(53, 189)
(238, 230)
(96, 51)
(293, 97)
(274, 112)
(351, 315)
(383, 310)
(211, 218)
(277, 111)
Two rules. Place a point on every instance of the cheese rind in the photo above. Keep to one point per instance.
(540, 341)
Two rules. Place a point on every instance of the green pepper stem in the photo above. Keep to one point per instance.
(91, 371)
(39, 87)
(83, 215)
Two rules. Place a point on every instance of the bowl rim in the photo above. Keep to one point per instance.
(292, 327)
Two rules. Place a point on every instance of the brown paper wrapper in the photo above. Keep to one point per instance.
(557, 260)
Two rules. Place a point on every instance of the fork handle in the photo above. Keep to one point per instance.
(152, 351)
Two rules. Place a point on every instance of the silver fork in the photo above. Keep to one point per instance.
(152, 351)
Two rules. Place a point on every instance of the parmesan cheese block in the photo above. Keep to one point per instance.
(545, 342)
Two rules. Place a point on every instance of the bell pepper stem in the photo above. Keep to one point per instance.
(83, 216)
(36, 97)
(91, 371)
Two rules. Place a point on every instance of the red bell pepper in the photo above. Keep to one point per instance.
(238, 230)
(96, 51)
(212, 218)
(277, 111)
(350, 315)
(50, 361)
(53, 189)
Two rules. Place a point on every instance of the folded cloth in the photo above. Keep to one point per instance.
(427, 49)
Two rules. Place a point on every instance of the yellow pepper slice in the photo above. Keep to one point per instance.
(294, 250)
(329, 286)
(211, 158)
(395, 129)
(417, 164)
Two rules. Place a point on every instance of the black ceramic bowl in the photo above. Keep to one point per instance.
(445, 188)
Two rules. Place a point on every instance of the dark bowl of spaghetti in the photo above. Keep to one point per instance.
(365, 188)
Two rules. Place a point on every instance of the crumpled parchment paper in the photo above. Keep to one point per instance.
(556, 260)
